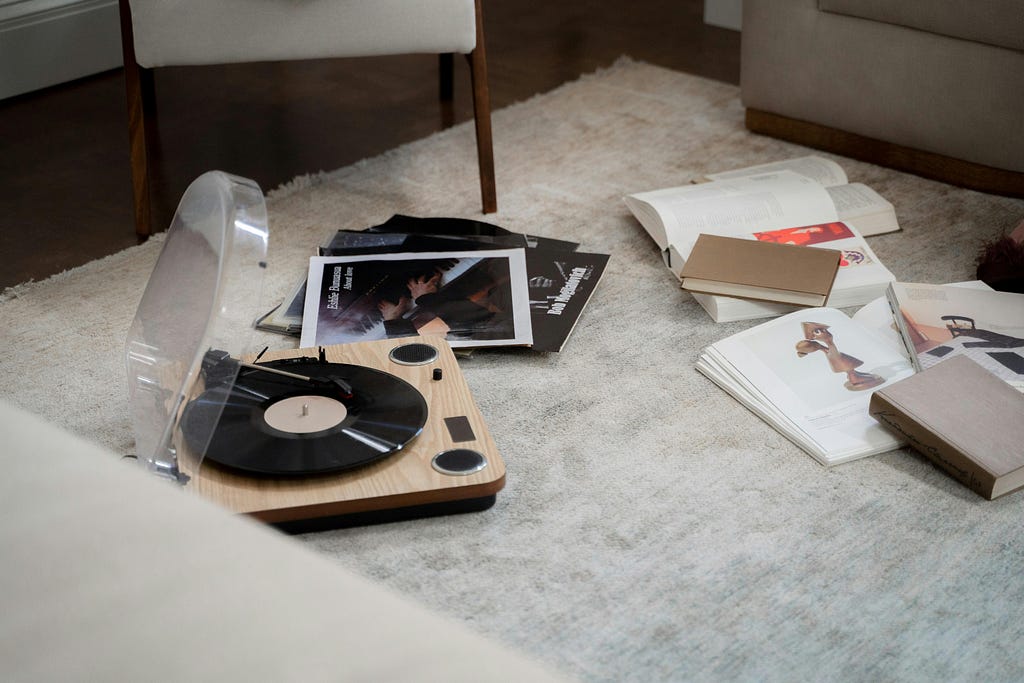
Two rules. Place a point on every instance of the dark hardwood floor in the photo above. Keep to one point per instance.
(65, 197)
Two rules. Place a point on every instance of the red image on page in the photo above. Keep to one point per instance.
(808, 234)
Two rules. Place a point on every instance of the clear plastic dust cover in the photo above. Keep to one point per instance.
(196, 316)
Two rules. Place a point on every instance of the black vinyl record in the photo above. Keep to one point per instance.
(380, 413)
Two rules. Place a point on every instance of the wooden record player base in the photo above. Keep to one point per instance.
(401, 485)
(385, 516)
(925, 164)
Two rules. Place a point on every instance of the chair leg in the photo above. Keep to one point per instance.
(140, 95)
(482, 115)
(446, 88)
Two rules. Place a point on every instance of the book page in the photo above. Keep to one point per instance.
(822, 171)
(869, 211)
(876, 316)
(817, 369)
(861, 276)
(473, 298)
(734, 207)
(856, 199)
(942, 321)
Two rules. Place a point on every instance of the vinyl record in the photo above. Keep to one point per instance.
(282, 426)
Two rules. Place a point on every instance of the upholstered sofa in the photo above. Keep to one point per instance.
(110, 574)
(935, 87)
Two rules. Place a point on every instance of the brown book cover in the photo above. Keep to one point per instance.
(964, 419)
(766, 271)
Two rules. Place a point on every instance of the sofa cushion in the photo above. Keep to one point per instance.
(993, 22)
(112, 574)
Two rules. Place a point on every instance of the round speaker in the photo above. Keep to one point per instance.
(413, 354)
(459, 462)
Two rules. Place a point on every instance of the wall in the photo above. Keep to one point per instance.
(724, 13)
(45, 42)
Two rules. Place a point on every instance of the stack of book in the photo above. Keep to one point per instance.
(805, 202)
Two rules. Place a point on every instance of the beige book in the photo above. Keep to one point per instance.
(964, 419)
(764, 271)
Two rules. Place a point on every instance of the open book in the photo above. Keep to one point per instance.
(781, 206)
(810, 374)
(854, 203)
(938, 322)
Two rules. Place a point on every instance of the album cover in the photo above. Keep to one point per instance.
(561, 284)
(466, 228)
(472, 298)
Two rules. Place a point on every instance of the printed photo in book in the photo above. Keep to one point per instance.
(810, 374)
(938, 322)
(471, 298)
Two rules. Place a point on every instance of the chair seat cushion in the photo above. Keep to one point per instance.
(192, 32)
(993, 22)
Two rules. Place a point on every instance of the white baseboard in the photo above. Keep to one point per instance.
(724, 13)
(46, 42)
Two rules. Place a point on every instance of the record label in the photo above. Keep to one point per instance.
(305, 414)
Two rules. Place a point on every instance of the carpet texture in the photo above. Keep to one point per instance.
(651, 528)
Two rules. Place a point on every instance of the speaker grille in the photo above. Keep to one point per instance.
(459, 461)
(413, 354)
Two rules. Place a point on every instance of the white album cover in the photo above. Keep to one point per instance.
(472, 298)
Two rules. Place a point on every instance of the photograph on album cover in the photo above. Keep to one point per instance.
(472, 298)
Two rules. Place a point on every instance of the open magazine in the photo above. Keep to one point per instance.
(938, 322)
(810, 374)
(472, 298)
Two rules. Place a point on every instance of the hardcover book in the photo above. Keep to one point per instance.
(962, 418)
(765, 271)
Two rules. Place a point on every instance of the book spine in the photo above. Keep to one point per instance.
(901, 327)
(931, 445)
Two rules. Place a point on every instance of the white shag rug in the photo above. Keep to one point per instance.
(651, 528)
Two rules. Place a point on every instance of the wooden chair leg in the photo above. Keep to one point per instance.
(482, 115)
(446, 88)
(140, 95)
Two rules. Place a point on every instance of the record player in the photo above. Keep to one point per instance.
(299, 438)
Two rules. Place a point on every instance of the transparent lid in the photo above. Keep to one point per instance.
(203, 296)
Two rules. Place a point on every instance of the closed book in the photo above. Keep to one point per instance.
(764, 271)
(964, 419)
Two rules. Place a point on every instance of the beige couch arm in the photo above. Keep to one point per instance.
(111, 574)
(950, 96)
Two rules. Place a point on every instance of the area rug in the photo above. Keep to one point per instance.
(651, 527)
